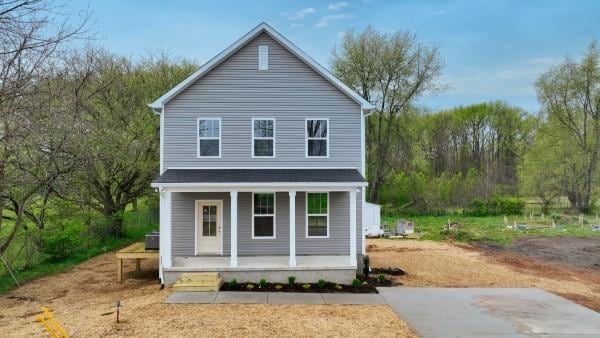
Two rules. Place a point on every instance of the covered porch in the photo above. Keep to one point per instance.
(241, 243)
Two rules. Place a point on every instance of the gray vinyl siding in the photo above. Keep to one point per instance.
(183, 225)
(280, 245)
(183, 220)
(236, 91)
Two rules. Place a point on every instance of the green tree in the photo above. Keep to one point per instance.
(570, 98)
(118, 141)
(546, 168)
(391, 71)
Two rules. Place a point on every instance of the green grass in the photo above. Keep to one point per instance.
(491, 229)
(136, 225)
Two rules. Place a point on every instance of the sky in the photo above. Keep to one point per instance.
(492, 50)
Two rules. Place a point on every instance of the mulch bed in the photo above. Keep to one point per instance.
(367, 286)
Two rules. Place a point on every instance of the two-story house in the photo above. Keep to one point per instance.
(262, 166)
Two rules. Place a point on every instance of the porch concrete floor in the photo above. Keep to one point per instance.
(221, 263)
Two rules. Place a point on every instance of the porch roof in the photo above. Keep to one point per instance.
(260, 176)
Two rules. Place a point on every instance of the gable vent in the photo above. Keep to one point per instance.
(263, 57)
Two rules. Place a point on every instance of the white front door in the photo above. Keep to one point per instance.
(209, 227)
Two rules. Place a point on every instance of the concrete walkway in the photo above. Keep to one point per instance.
(491, 312)
(245, 297)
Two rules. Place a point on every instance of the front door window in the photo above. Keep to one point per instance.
(208, 231)
(209, 220)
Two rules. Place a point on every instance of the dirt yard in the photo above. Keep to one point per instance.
(84, 297)
(579, 252)
(439, 264)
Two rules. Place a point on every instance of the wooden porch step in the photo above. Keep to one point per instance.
(200, 281)
(199, 277)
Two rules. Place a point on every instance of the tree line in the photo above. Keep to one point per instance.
(423, 162)
(77, 137)
(75, 129)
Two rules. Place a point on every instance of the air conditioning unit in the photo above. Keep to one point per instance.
(153, 241)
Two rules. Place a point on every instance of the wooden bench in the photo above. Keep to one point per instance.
(135, 251)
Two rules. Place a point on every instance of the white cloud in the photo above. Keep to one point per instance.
(516, 80)
(301, 14)
(327, 19)
(297, 25)
(337, 5)
(439, 12)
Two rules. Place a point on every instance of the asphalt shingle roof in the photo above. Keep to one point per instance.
(260, 176)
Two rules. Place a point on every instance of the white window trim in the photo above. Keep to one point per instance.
(266, 65)
(306, 213)
(263, 138)
(198, 138)
(306, 138)
(274, 217)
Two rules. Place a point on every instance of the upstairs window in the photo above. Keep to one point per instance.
(317, 138)
(209, 137)
(263, 215)
(263, 57)
(263, 137)
(317, 215)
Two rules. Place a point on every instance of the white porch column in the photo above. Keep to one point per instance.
(292, 228)
(353, 227)
(165, 229)
(234, 218)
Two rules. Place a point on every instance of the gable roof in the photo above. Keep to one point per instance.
(263, 27)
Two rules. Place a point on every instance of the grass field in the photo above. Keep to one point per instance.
(492, 229)
(135, 224)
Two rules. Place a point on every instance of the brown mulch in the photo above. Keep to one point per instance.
(367, 285)
(83, 300)
(443, 264)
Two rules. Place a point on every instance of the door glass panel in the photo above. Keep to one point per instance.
(209, 221)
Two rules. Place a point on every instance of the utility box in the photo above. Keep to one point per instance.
(405, 227)
(153, 241)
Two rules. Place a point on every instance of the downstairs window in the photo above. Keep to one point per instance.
(317, 215)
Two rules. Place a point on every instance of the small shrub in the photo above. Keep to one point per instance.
(321, 283)
(278, 287)
(364, 283)
(356, 282)
(250, 286)
(233, 283)
(306, 286)
(381, 278)
(60, 242)
(497, 205)
(291, 280)
(262, 283)
(338, 287)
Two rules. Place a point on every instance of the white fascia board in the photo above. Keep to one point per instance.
(269, 187)
(366, 105)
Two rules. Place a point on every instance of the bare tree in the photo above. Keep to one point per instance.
(390, 70)
(31, 33)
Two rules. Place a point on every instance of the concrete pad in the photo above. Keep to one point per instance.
(353, 298)
(490, 312)
(191, 298)
(295, 298)
(241, 297)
